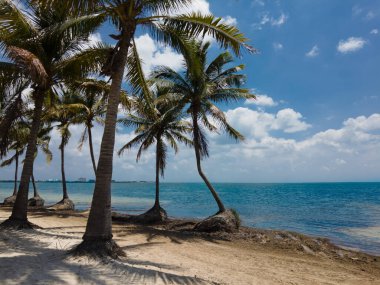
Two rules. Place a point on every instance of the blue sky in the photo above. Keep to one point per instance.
(317, 117)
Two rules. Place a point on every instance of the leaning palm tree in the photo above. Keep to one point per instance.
(128, 16)
(158, 123)
(45, 45)
(199, 88)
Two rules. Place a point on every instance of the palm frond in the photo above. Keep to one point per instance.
(196, 24)
(29, 62)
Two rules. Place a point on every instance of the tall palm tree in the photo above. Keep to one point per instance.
(157, 123)
(93, 98)
(45, 44)
(199, 88)
(65, 112)
(128, 16)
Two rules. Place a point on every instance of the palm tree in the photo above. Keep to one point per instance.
(128, 16)
(158, 123)
(93, 98)
(65, 113)
(199, 88)
(17, 136)
(44, 44)
(43, 140)
(19, 140)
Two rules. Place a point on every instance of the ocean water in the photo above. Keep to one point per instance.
(346, 213)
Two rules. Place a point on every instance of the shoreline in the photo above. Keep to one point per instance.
(169, 252)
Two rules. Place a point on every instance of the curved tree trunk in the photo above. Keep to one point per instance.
(98, 235)
(16, 176)
(64, 187)
(19, 212)
(91, 149)
(199, 167)
(157, 201)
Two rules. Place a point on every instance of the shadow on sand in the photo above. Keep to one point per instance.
(40, 257)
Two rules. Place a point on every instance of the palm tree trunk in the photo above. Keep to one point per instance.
(64, 187)
(16, 176)
(157, 202)
(91, 149)
(199, 167)
(36, 194)
(99, 223)
(19, 212)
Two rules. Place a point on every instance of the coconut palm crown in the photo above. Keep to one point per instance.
(160, 124)
(199, 89)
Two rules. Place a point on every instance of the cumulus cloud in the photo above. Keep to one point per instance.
(374, 32)
(229, 20)
(352, 44)
(313, 52)
(259, 124)
(153, 54)
(197, 6)
(261, 100)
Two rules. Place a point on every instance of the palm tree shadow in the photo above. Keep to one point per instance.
(26, 257)
(175, 236)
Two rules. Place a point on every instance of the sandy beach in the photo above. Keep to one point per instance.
(162, 256)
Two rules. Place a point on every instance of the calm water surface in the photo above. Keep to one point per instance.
(347, 213)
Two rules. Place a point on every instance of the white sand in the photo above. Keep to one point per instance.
(29, 257)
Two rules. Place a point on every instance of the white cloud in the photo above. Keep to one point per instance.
(261, 100)
(259, 124)
(94, 39)
(290, 121)
(374, 32)
(229, 21)
(352, 44)
(313, 52)
(153, 54)
(280, 20)
(266, 18)
(198, 6)
(278, 46)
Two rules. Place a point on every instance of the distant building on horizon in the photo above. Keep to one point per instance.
(82, 179)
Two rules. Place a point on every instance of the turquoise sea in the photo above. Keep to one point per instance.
(346, 213)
